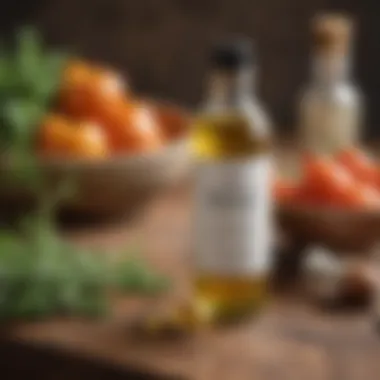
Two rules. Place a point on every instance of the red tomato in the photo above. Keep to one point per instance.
(360, 165)
(173, 122)
(306, 195)
(363, 196)
(325, 181)
(284, 191)
(371, 196)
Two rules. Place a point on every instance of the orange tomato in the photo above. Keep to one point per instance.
(85, 88)
(325, 180)
(131, 127)
(61, 137)
(360, 165)
(76, 73)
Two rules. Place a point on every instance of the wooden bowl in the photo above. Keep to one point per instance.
(115, 186)
(338, 229)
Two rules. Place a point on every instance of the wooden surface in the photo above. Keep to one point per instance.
(289, 340)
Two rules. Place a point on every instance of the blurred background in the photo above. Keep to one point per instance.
(162, 47)
(162, 44)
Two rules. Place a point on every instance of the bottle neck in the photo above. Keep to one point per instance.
(330, 70)
(230, 88)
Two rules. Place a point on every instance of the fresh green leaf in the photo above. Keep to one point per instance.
(29, 82)
(48, 78)
(23, 116)
(29, 55)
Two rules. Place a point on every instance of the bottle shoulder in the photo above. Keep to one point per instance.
(231, 131)
(253, 112)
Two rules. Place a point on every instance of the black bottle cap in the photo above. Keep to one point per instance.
(232, 54)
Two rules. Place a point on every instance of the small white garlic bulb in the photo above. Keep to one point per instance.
(323, 273)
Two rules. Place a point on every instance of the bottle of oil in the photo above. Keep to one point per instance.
(331, 107)
(232, 223)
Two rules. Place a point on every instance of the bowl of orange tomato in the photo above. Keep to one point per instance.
(117, 148)
(335, 202)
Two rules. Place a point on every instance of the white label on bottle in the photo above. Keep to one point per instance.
(233, 217)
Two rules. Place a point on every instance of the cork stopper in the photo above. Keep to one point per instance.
(332, 33)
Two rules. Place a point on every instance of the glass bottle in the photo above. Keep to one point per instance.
(232, 223)
(330, 108)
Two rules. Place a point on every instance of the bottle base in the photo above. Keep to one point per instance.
(230, 299)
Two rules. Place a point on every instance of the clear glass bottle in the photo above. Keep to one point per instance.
(331, 106)
(231, 142)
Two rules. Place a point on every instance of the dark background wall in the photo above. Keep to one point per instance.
(162, 44)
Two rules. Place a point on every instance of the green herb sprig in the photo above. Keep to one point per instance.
(30, 77)
(42, 275)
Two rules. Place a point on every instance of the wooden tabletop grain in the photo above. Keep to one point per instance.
(291, 339)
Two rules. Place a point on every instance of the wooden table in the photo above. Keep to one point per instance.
(290, 340)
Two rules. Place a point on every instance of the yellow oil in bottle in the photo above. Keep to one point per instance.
(223, 139)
